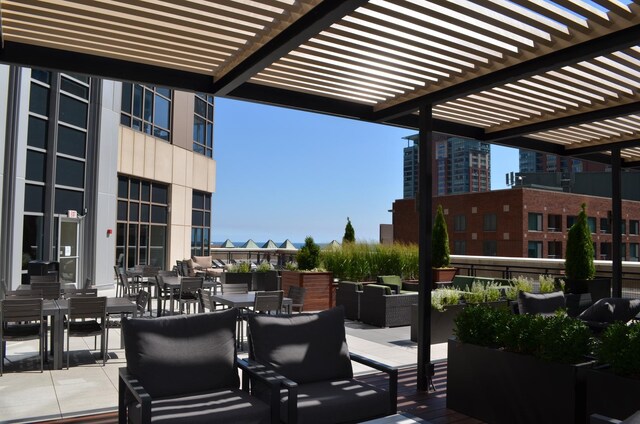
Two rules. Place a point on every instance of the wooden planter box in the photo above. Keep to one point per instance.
(503, 387)
(320, 290)
(611, 395)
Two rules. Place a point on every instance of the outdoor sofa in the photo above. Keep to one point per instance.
(379, 307)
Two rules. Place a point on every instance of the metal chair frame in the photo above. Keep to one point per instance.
(94, 309)
(23, 313)
(190, 290)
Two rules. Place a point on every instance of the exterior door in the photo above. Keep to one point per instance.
(69, 249)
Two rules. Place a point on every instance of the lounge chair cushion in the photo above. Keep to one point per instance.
(540, 303)
(220, 406)
(611, 309)
(337, 401)
(201, 262)
(158, 354)
(304, 348)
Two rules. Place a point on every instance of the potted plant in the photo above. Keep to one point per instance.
(579, 268)
(619, 353)
(239, 273)
(501, 361)
(265, 277)
(440, 257)
(319, 283)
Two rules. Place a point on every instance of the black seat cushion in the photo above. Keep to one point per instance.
(304, 348)
(337, 401)
(610, 309)
(540, 303)
(183, 354)
(220, 406)
(20, 331)
(89, 327)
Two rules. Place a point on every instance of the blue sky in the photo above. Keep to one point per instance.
(284, 174)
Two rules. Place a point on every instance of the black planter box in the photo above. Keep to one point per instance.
(266, 281)
(238, 278)
(442, 322)
(503, 387)
(611, 395)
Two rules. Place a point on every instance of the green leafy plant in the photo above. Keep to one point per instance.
(620, 347)
(481, 325)
(474, 293)
(440, 257)
(308, 256)
(492, 292)
(349, 233)
(240, 267)
(264, 266)
(444, 297)
(578, 264)
(558, 338)
(291, 266)
(547, 283)
(519, 283)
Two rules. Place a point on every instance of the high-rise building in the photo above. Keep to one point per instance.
(100, 173)
(531, 161)
(460, 165)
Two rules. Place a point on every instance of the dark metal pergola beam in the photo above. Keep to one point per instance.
(609, 43)
(310, 24)
(115, 69)
(579, 151)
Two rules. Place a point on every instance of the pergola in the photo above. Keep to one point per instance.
(559, 77)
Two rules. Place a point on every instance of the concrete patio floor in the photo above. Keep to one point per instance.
(27, 395)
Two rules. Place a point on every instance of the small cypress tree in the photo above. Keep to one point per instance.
(440, 241)
(308, 256)
(578, 264)
(349, 233)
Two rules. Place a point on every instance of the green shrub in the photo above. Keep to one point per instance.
(481, 325)
(565, 340)
(308, 256)
(519, 283)
(291, 266)
(547, 283)
(240, 267)
(578, 264)
(522, 333)
(620, 347)
(264, 266)
(440, 257)
(349, 233)
(444, 297)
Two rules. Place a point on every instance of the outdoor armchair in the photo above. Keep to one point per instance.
(540, 303)
(308, 355)
(609, 310)
(348, 295)
(183, 369)
(379, 307)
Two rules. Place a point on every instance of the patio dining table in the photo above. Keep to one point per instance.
(245, 300)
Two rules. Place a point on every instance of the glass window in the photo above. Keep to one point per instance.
(535, 223)
(68, 200)
(40, 75)
(143, 243)
(490, 248)
(73, 111)
(554, 250)
(32, 239)
(148, 109)
(554, 223)
(605, 226)
(570, 221)
(459, 223)
(633, 252)
(37, 132)
(70, 172)
(534, 249)
(459, 247)
(591, 222)
(75, 88)
(36, 163)
(200, 223)
(71, 141)
(39, 100)
(634, 227)
(490, 222)
(33, 198)
(203, 125)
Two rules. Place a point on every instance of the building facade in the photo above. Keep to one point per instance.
(460, 165)
(522, 222)
(99, 173)
(531, 161)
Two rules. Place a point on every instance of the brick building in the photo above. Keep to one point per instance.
(521, 222)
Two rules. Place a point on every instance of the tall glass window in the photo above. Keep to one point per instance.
(203, 125)
(141, 230)
(201, 224)
(535, 249)
(147, 109)
(490, 222)
(535, 222)
(490, 248)
(459, 223)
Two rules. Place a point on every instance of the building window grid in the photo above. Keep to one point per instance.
(147, 109)
(490, 222)
(459, 223)
(201, 224)
(535, 221)
(141, 231)
(203, 124)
